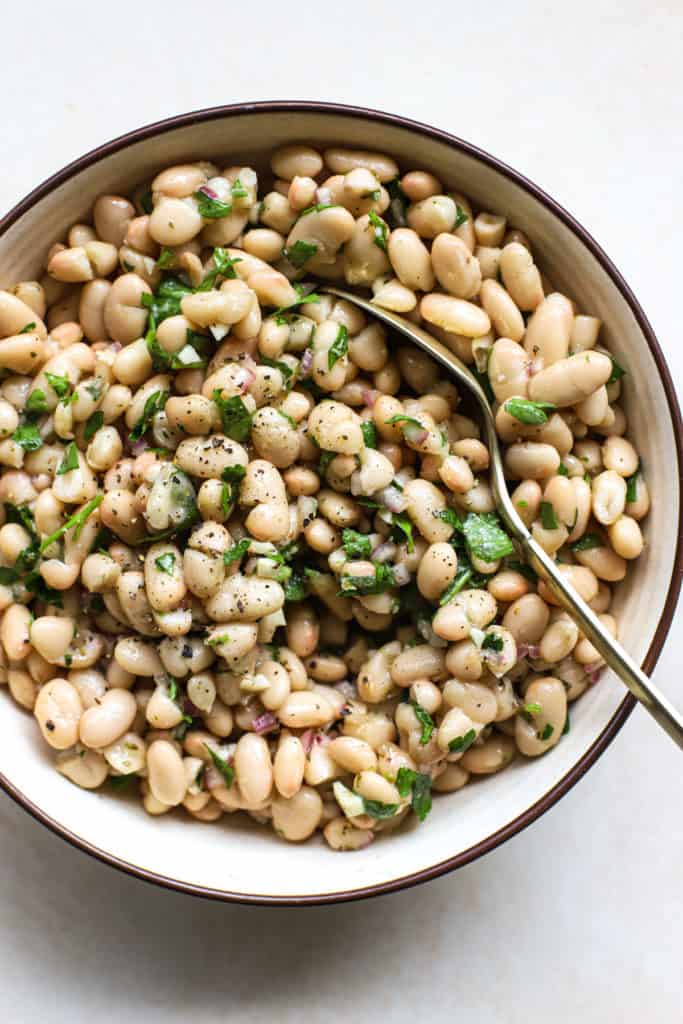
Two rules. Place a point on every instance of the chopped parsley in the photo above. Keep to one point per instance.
(93, 424)
(485, 537)
(300, 253)
(419, 787)
(36, 403)
(408, 420)
(231, 477)
(378, 810)
(235, 417)
(166, 258)
(380, 230)
(547, 732)
(548, 518)
(492, 642)
(165, 563)
(75, 522)
(361, 586)
(528, 412)
(60, 384)
(226, 770)
(154, 404)
(425, 720)
(223, 266)
(369, 432)
(532, 709)
(69, 460)
(460, 217)
(237, 551)
(562, 470)
(402, 530)
(617, 371)
(27, 436)
(27, 328)
(462, 743)
(588, 542)
(356, 545)
(632, 487)
(338, 348)
(210, 208)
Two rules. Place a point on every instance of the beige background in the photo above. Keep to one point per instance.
(579, 917)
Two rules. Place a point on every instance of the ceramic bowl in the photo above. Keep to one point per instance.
(236, 860)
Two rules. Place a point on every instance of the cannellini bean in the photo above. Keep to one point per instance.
(455, 315)
(166, 773)
(570, 380)
(108, 721)
(542, 729)
(58, 710)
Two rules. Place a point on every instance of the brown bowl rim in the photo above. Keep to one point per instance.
(625, 708)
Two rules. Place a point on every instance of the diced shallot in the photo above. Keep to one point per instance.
(306, 361)
(265, 722)
(209, 192)
(384, 552)
(369, 396)
(401, 575)
(528, 650)
(392, 498)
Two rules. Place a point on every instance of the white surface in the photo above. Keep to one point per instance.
(577, 917)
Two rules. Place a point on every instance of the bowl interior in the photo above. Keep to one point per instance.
(237, 857)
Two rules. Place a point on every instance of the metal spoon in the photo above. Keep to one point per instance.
(614, 654)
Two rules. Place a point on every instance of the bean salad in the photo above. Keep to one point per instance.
(249, 555)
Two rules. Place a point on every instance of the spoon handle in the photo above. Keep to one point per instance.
(614, 654)
(664, 713)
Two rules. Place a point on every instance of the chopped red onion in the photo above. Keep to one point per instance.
(212, 777)
(264, 722)
(307, 360)
(369, 396)
(392, 498)
(413, 434)
(594, 671)
(401, 575)
(115, 346)
(138, 447)
(244, 378)
(528, 650)
(384, 552)
(307, 739)
(207, 191)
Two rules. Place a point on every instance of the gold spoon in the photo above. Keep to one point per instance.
(613, 653)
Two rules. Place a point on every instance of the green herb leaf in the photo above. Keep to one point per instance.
(166, 301)
(632, 487)
(28, 437)
(408, 420)
(325, 459)
(588, 542)
(295, 588)
(166, 258)
(75, 522)
(226, 770)
(617, 371)
(532, 709)
(299, 254)
(460, 217)
(398, 203)
(60, 384)
(356, 545)
(380, 232)
(122, 781)
(450, 516)
(419, 786)
(402, 529)
(485, 537)
(231, 477)
(548, 518)
(146, 204)
(339, 347)
(567, 725)
(302, 300)
(237, 551)
(562, 470)
(426, 721)
(36, 403)
(462, 578)
(369, 432)
(209, 208)
(528, 412)
(548, 730)
(165, 563)
(360, 586)
(93, 424)
(172, 688)
(237, 190)
(378, 810)
(462, 743)
(224, 266)
(491, 642)
(284, 368)
(154, 404)
(524, 570)
(315, 209)
(235, 417)
(69, 460)
(27, 328)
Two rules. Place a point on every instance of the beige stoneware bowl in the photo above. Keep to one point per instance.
(237, 860)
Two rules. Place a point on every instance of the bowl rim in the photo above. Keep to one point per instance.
(576, 772)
